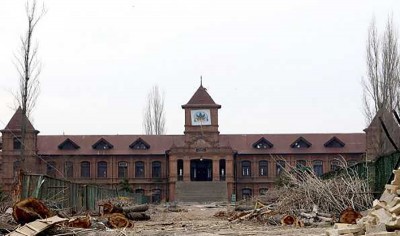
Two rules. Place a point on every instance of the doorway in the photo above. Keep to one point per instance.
(201, 170)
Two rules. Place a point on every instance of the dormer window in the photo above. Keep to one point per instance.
(300, 143)
(262, 144)
(68, 144)
(139, 144)
(334, 143)
(102, 144)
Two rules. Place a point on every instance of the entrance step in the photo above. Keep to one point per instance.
(201, 191)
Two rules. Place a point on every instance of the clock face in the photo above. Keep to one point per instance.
(201, 117)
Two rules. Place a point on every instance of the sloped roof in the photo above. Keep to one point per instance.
(201, 98)
(48, 144)
(355, 143)
(16, 121)
(242, 143)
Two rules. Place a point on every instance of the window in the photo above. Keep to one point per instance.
(16, 167)
(85, 169)
(139, 169)
(334, 143)
(122, 169)
(246, 193)
(17, 143)
(68, 169)
(334, 165)
(139, 191)
(263, 168)
(318, 168)
(300, 164)
(156, 196)
(351, 162)
(139, 144)
(263, 191)
(180, 169)
(262, 144)
(102, 144)
(300, 143)
(280, 165)
(222, 169)
(102, 169)
(68, 144)
(51, 168)
(246, 168)
(156, 169)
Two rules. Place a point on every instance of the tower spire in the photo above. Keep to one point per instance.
(201, 81)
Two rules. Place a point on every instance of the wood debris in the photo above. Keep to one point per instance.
(37, 226)
(382, 219)
(30, 209)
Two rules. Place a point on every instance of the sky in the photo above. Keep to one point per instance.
(275, 66)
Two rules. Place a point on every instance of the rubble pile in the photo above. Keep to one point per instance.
(382, 219)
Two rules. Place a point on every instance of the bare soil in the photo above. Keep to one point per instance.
(200, 220)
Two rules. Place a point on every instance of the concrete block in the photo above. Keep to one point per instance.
(382, 215)
(351, 229)
(370, 228)
(384, 233)
(392, 188)
(387, 196)
(379, 204)
(396, 180)
(395, 209)
(332, 232)
(394, 202)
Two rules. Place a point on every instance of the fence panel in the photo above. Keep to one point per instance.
(63, 194)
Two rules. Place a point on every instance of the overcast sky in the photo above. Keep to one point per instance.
(274, 66)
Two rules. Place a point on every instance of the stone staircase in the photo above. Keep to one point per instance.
(201, 191)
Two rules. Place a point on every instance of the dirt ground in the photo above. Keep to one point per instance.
(200, 220)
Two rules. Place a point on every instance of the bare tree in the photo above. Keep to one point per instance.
(28, 67)
(154, 114)
(382, 83)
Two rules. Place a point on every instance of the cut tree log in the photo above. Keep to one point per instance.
(138, 208)
(30, 209)
(118, 220)
(288, 220)
(138, 216)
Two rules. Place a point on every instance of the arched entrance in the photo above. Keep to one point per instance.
(201, 170)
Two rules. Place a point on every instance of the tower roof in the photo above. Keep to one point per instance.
(16, 122)
(201, 99)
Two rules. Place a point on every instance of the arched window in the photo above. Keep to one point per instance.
(139, 169)
(263, 168)
(351, 163)
(85, 169)
(102, 169)
(263, 191)
(246, 168)
(69, 169)
(139, 191)
(280, 165)
(318, 168)
(123, 169)
(334, 165)
(156, 196)
(51, 168)
(156, 169)
(222, 169)
(247, 193)
(301, 163)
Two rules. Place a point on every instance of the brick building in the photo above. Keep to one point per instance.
(201, 164)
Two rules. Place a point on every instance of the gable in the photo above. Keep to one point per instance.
(102, 144)
(68, 144)
(334, 142)
(139, 144)
(262, 143)
(300, 143)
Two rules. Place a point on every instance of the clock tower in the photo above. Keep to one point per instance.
(201, 118)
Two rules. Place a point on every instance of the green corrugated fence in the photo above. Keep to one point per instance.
(64, 194)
